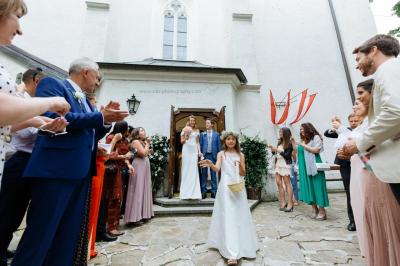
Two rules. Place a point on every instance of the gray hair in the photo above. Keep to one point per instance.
(82, 63)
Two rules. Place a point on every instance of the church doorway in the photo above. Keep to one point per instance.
(179, 117)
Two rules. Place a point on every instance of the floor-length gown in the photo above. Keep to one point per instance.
(376, 213)
(190, 182)
(139, 201)
(232, 231)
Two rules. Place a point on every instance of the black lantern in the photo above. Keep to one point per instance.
(133, 104)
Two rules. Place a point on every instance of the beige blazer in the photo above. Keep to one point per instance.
(382, 137)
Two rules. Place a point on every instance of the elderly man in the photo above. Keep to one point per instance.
(378, 56)
(60, 170)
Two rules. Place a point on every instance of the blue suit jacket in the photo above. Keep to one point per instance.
(215, 144)
(68, 156)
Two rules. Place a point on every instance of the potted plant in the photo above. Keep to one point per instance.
(255, 152)
(158, 161)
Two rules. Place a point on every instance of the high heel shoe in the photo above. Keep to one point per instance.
(321, 217)
(288, 210)
(283, 208)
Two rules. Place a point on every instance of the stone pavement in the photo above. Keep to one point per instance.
(284, 239)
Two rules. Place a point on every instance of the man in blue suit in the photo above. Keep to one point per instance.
(60, 170)
(210, 145)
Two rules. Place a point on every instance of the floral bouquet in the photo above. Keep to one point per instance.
(187, 131)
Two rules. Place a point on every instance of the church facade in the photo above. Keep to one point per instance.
(212, 58)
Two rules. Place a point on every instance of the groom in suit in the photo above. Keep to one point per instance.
(210, 145)
(60, 170)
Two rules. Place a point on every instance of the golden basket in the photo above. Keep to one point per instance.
(236, 187)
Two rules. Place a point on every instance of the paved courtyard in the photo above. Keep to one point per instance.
(284, 239)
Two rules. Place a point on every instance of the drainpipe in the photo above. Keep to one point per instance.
(339, 38)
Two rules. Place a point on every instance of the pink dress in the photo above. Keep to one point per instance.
(139, 199)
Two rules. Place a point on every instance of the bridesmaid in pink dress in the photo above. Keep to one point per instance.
(139, 201)
(376, 211)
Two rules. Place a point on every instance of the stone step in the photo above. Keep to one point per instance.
(176, 202)
(185, 210)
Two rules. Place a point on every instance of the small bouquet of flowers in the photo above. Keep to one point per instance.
(364, 157)
(187, 131)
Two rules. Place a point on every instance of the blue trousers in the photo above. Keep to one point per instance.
(54, 220)
(293, 180)
(204, 172)
(14, 200)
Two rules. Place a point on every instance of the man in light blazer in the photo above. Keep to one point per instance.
(381, 140)
(210, 145)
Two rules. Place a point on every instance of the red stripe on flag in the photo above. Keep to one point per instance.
(301, 106)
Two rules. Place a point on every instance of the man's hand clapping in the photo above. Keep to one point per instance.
(112, 113)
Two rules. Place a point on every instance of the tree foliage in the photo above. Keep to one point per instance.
(396, 12)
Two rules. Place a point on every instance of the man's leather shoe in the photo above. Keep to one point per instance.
(351, 227)
(105, 238)
(213, 195)
(10, 254)
(203, 195)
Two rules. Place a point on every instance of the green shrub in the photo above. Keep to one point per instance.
(255, 152)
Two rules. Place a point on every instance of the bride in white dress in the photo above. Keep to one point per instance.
(232, 231)
(190, 182)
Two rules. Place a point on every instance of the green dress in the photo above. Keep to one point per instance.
(312, 188)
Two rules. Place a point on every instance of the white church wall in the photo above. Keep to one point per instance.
(95, 31)
(53, 30)
(301, 53)
(362, 28)
(157, 96)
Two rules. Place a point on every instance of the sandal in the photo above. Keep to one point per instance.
(232, 262)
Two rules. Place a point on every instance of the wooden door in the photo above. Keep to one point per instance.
(221, 120)
(171, 172)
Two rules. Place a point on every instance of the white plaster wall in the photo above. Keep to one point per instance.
(157, 97)
(53, 30)
(248, 114)
(95, 33)
(362, 28)
(297, 48)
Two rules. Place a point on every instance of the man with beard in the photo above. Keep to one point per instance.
(381, 140)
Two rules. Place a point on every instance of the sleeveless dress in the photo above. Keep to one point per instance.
(281, 167)
(190, 181)
(232, 231)
(139, 201)
(7, 86)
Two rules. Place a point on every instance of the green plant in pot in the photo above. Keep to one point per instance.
(255, 152)
(158, 160)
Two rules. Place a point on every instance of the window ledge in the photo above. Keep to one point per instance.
(103, 5)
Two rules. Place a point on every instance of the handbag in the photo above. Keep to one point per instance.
(239, 182)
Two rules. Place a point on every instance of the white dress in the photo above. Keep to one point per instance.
(232, 231)
(8, 86)
(190, 181)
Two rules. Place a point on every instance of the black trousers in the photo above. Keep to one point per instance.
(396, 191)
(14, 200)
(345, 172)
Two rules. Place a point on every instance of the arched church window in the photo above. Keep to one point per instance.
(168, 45)
(175, 32)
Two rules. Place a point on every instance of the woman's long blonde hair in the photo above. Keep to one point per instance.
(188, 121)
(9, 6)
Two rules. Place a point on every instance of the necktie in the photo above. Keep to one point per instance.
(209, 135)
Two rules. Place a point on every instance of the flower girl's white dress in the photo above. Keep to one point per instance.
(232, 231)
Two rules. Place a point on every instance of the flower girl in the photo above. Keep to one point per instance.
(231, 231)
